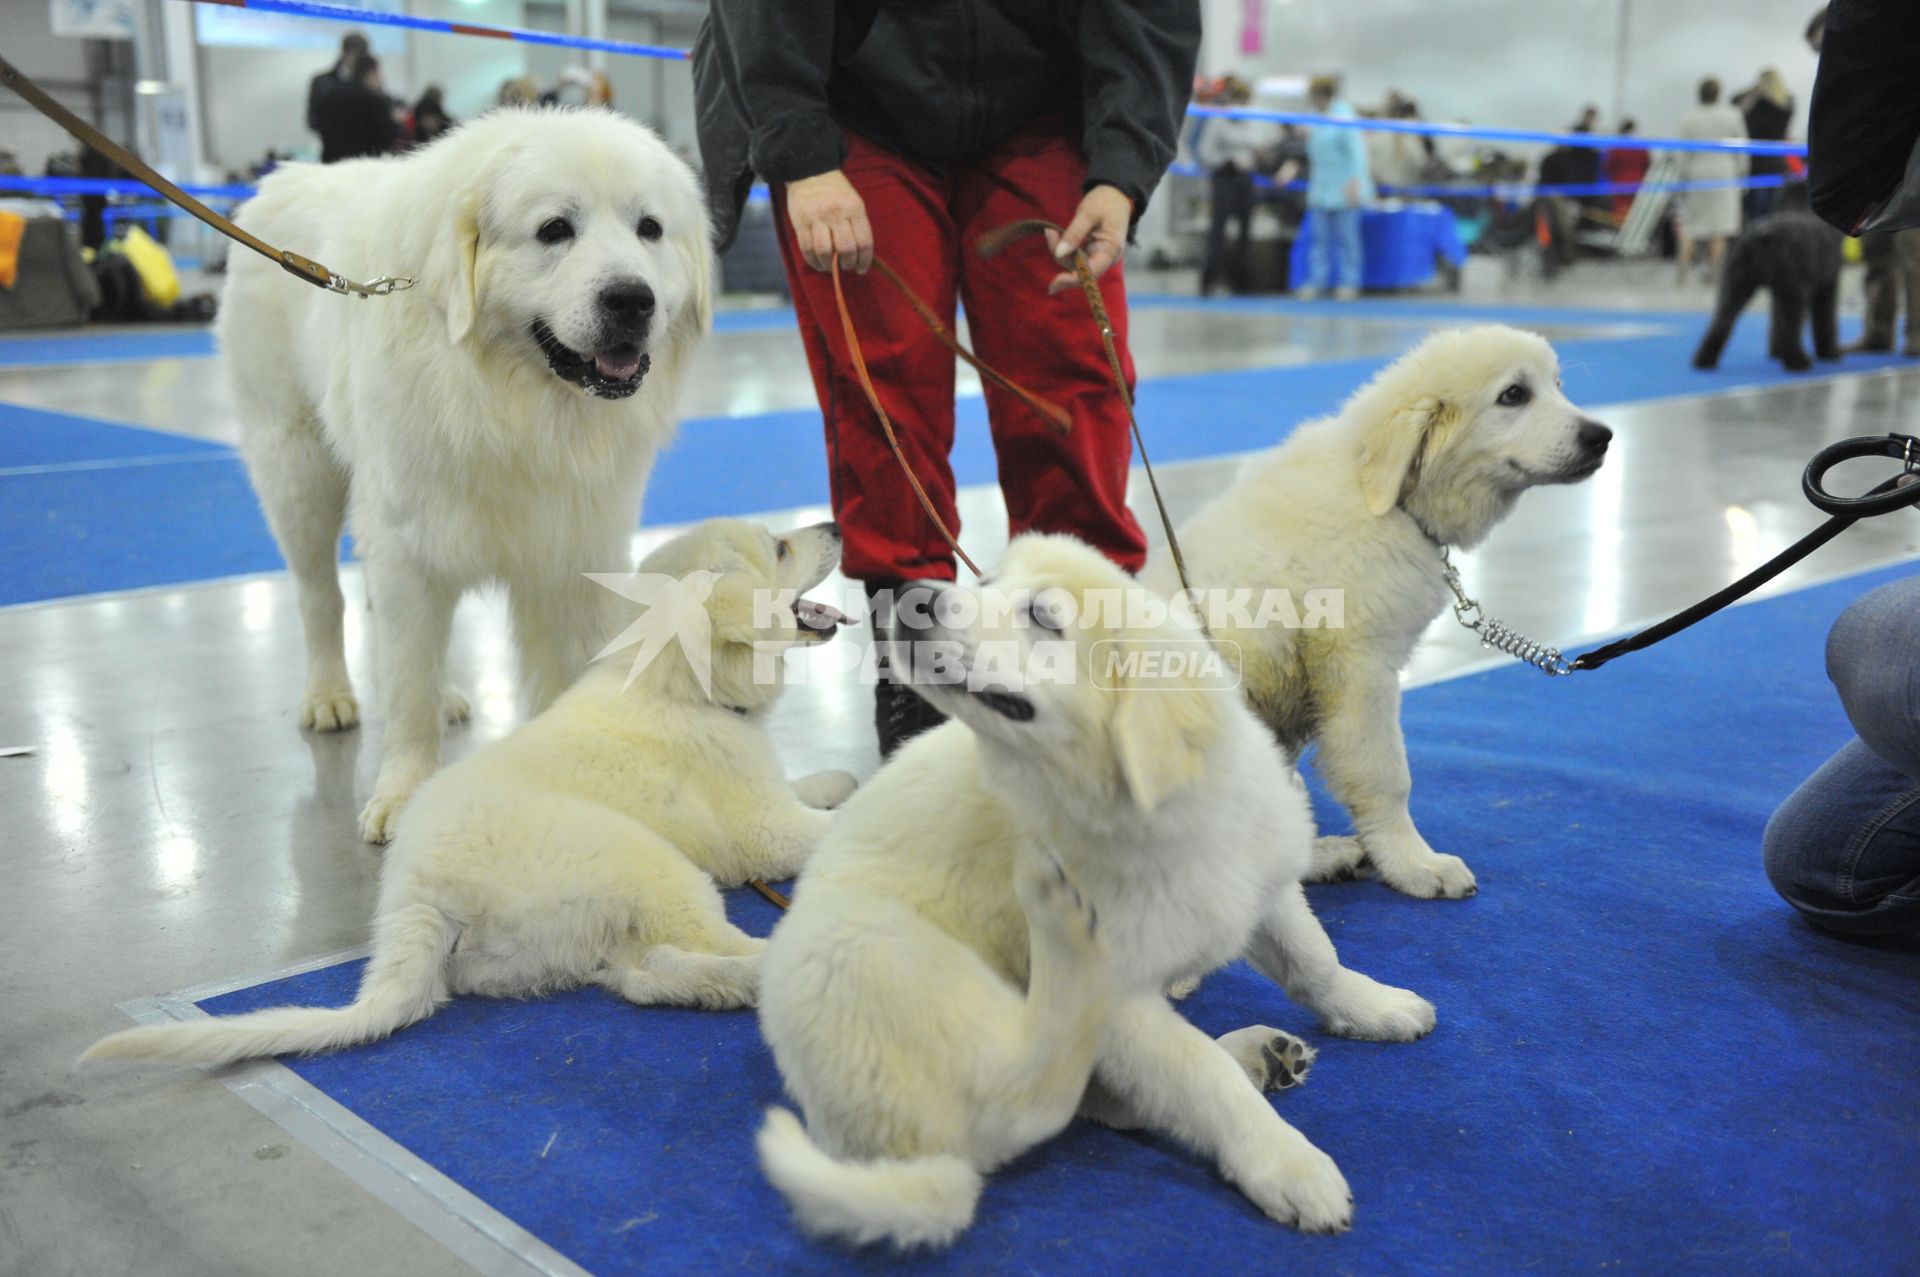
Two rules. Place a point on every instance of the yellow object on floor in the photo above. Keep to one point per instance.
(158, 279)
(13, 228)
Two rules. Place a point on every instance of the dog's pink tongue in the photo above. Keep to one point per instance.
(820, 616)
(617, 364)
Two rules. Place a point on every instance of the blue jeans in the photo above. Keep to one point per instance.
(1844, 849)
(1333, 248)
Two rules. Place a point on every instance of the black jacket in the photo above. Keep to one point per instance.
(937, 81)
(1865, 117)
(354, 121)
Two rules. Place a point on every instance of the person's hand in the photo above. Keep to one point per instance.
(1100, 226)
(830, 219)
(1353, 192)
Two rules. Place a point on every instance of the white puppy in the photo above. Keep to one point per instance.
(1432, 453)
(941, 990)
(496, 423)
(584, 847)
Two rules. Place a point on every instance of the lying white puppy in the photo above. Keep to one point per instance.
(1432, 453)
(937, 998)
(584, 847)
(495, 424)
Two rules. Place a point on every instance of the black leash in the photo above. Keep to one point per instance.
(1883, 498)
(1897, 493)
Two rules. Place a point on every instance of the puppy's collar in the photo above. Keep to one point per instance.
(1425, 531)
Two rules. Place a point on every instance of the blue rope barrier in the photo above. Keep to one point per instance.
(413, 22)
(1523, 190)
(55, 187)
(1430, 128)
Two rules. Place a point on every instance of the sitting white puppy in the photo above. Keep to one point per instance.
(1432, 453)
(941, 991)
(584, 847)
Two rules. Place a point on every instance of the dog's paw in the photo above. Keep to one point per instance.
(329, 709)
(825, 790)
(1299, 1185)
(1362, 1007)
(381, 816)
(1183, 987)
(1053, 905)
(1705, 363)
(453, 706)
(1336, 858)
(1430, 876)
(1274, 1060)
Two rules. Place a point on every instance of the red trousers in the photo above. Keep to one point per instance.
(925, 224)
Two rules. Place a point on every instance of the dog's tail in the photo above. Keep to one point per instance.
(916, 1201)
(403, 983)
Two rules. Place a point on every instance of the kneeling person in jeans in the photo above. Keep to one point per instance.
(1845, 848)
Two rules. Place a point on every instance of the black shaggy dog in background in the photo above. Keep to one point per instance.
(1796, 257)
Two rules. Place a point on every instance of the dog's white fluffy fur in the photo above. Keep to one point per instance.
(584, 847)
(1428, 454)
(990, 923)
(432, 415)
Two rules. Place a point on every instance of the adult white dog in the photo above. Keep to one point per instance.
(584, 847)
(494, 424)
(1431, 454)
(941, 990)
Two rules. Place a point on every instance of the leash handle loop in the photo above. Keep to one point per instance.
(1882, 499)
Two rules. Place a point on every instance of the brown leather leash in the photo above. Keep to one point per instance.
(995, 241)
(988, 245)
(1055, 415)
(294, 264)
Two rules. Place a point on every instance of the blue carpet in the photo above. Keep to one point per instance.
(184, 342)
(1645, 1063)
(86, 507)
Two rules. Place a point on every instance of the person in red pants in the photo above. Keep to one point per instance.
(909, 131)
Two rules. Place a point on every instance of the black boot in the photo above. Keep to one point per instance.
(899, 713)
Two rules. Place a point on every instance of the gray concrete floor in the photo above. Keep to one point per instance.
(174, 826)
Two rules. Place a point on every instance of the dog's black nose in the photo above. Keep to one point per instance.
(1594, 437)
(630, 300)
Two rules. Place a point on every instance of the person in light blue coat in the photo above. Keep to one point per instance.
(1338, 187)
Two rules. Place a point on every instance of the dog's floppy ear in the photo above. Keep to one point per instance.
(1389, 449)
(1161, 738)
(744, 614)
(448, 272)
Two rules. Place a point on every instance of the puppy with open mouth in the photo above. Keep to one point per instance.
(978, 949)
(584, 848)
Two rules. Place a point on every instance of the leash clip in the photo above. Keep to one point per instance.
(379, 286)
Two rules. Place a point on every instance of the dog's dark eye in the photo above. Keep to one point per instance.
(782, 550)
(1044, 617)
(649, 228)
(554, 231)
(1515, 395)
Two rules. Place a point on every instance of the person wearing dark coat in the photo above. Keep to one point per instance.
(356, 118)
(1767, 108)
(353, 47)
(907, 131)
(1863, 166)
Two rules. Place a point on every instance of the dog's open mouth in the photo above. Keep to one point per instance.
(613, 372)
(818, 621)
